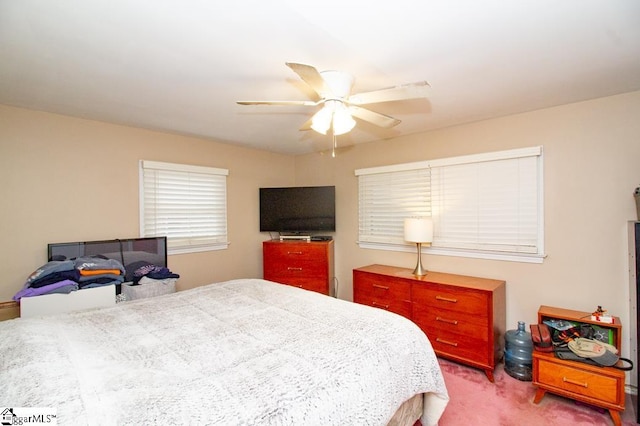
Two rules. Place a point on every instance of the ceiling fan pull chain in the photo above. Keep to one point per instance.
(335, 143)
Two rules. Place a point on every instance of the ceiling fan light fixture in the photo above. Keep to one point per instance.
(339, 105)
(321, 121)
(342, 121)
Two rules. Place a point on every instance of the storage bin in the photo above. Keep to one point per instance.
(149, 288)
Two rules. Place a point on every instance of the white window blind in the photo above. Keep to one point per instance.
(487, 205)
(187, 204)
(386, 199)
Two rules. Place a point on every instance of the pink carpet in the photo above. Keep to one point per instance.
(507, 402)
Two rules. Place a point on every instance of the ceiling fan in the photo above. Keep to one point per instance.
(339, 106)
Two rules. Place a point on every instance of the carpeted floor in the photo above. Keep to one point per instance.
(509, 402)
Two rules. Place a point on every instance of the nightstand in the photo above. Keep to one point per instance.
(595, 385)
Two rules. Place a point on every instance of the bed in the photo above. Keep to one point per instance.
(245, 352)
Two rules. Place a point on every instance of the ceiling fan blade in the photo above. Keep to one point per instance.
(380, 120)
(311, 76)
(306, 125)
(303, 103)
(397, 93)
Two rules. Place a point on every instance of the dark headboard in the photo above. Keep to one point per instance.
(130, 252)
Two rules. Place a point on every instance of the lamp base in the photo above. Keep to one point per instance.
(419, 271)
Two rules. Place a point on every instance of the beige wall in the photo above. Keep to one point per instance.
(591, 167)
(67, 179)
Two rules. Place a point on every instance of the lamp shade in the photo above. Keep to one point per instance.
(418, 230)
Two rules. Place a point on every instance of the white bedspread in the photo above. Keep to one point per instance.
(242, 352)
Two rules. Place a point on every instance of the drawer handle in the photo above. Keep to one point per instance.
(448, 321)
(382, 287)
(379, 305)
(291, 268)
(446, 299)
(446, 342)
(294, 252)
(574, 382)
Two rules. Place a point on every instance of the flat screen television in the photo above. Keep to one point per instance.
(297, 210)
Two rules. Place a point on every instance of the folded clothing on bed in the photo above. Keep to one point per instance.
(85, 272)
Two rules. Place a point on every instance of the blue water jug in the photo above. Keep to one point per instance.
(518, 353)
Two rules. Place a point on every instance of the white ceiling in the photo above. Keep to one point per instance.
(180, 65)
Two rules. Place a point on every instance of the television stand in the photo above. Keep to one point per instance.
(295, 237)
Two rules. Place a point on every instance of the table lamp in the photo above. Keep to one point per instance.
(418, 230)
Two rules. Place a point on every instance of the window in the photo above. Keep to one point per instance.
(487, 205)
(187, 204)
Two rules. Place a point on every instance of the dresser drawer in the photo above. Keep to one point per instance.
(400, 307)
(469, 302)
(294, 252)
(295, 269)
(461, 347)
(579, 381)
(374, 290)
(370, 286)
(319, 285)
(453, 322)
